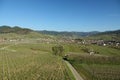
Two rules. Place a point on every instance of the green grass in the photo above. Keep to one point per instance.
(32, 62)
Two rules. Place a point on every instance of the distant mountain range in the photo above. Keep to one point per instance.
(69, 34)
(116, 32)
(107, 35)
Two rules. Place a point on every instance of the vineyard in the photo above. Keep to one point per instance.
(98, 72)
(96, 67)
(105, 72)
(31, 62)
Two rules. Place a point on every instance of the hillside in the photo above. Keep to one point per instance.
(15, 29)
(16, 32)
(107, 35)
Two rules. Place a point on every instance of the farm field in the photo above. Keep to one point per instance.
(31, 62)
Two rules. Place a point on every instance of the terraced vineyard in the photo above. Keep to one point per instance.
(23, 62)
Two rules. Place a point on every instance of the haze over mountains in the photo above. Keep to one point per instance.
(96, 34)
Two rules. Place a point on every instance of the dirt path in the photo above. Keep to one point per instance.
(75, 73)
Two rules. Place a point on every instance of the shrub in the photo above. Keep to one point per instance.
(58, 50)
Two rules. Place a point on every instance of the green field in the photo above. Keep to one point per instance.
(31, 62)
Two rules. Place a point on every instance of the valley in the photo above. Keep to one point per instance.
(31, 56)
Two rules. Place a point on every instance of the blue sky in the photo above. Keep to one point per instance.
(61, 15)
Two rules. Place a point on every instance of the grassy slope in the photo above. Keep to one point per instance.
(23, 36)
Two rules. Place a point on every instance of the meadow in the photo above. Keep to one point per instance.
(31, 61)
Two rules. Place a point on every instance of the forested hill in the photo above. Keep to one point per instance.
(15, 29)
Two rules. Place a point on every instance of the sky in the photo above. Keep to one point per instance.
(61, 15)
